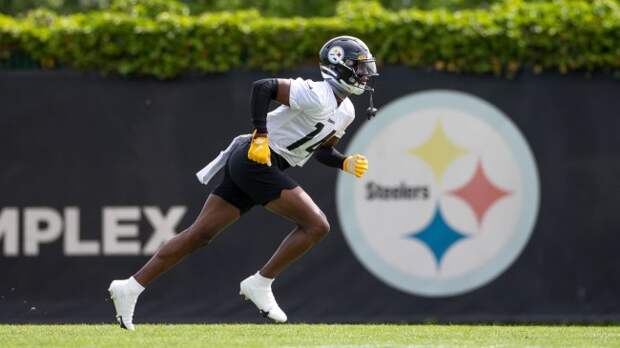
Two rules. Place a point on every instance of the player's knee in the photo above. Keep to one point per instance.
(320, 228)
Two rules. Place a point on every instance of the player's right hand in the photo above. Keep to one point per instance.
(259, 149)
(355, 164)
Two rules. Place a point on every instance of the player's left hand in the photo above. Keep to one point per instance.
(259, 149)
(355, 164)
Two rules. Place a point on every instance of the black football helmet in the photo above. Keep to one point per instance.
(348, 62)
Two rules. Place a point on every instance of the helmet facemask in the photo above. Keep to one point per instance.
(355, 75)
(358, 74)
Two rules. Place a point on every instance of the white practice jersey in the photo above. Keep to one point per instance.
(312, 118)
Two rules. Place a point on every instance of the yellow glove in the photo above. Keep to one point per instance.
(259, 149)
(356, 165)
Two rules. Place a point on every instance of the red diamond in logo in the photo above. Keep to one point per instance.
(480, 193)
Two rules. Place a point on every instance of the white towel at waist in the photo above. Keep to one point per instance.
(209, 171)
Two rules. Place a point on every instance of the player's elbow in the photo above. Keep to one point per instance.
(266, 88)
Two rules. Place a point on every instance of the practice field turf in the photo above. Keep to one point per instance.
(305, 335)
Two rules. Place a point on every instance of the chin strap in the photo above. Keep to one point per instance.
(371, 111)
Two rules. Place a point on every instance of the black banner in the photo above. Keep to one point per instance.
(97, 171)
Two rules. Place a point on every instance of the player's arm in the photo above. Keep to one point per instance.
(263, 92)
(331, 157)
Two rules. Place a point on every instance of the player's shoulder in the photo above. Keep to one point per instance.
(347, 108)
(316, 92)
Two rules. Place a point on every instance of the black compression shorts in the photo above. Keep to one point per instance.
(247, 183)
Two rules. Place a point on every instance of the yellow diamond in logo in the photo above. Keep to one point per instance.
(438, 151)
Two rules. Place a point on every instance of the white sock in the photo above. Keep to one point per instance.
(263, 280)
(134, 286)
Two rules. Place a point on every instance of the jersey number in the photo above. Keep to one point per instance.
(308, 137)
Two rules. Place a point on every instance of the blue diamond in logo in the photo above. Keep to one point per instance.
(438, 236)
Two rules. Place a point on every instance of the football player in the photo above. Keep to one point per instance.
(311, 119)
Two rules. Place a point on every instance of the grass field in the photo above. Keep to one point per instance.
(306, 335)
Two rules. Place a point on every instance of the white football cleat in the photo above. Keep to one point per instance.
(257, 289)
(124, 293)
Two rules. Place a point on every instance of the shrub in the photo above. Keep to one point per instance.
(561, 35)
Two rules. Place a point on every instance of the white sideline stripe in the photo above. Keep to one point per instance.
(385, 345)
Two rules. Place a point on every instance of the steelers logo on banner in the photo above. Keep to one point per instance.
(450, 199)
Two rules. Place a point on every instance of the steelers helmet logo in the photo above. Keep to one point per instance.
(450, 199)
(335, 54)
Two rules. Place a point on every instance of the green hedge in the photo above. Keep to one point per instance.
(273, 8)
(559, 35)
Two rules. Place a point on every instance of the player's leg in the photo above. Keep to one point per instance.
(214, 217)
(271, 187)
(296, 205)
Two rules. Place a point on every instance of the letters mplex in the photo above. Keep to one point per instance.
(119, 227)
